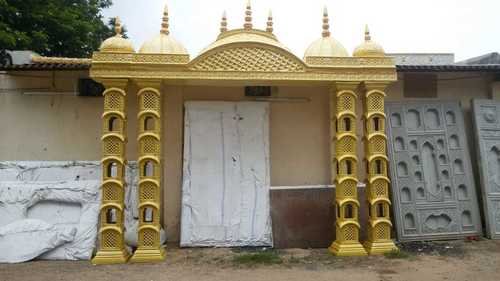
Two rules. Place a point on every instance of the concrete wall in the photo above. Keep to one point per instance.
(68, 127)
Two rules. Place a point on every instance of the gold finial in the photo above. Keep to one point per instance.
(326, 25)
(118, 27)
(367, 33)
(164, 22)
(223, 23)
(248, 16)
(270, 22)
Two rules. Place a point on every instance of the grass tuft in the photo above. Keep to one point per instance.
(397, 254)
(258, 258)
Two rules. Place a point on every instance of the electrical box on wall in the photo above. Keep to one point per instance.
(258, 91)
(89, 88)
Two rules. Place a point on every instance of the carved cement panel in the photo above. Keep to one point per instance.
(433, 190)
(487, 134)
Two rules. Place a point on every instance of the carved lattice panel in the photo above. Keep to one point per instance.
(487, 133)
(430, 168)
(252, 59)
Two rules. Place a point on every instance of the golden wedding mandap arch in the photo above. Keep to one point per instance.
(244, 57)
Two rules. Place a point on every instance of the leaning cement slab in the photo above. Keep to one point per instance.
(433, 191)
(487, 135)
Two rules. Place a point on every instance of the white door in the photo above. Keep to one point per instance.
(225, 192)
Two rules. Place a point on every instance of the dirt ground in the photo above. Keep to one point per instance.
(458, 260)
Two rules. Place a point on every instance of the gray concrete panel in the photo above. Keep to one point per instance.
(433, 191)
(487, 135)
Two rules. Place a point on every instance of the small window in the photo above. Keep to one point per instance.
(376, 123)
(149, 123)
(148, 214)
(347, 124)
(112, 171)
(380, 210)
(111, 216)
(338, 211)
(348, 167)
(378, 166)
(420, 85)
(113, 124)
(348, 212)
(148, 169)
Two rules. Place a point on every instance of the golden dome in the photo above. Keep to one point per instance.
(163, 43)
(326, 46)
(368, 48)
(117, 44)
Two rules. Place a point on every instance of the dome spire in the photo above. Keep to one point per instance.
(326, 25)
(223, 23)
(270, 22)
(118, 27)
(164, 22)
(116, 43)
(367, 33)
(248, 16)
(368, 48)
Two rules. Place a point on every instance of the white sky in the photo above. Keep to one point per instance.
(464, 27)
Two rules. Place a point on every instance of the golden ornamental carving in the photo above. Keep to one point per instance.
(378, 184)
(350, 61)
(111, 225)
(330, 75)
(149, 247)
(343, 127)
(248, 59)
(111, 57)
(161, 58)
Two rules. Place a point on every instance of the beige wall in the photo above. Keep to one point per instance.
(67, 127)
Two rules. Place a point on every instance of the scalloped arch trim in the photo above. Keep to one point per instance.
(248, 59)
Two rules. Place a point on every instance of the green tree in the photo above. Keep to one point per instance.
(68, 28)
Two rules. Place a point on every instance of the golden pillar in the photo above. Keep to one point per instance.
(114, 122)
(149, 248)
(379, 221)
(343, 126)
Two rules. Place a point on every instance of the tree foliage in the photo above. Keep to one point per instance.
(68, 28)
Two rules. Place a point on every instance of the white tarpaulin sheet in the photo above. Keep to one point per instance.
(63, 208)
(64, 195)
(27, 239)
(225, 193)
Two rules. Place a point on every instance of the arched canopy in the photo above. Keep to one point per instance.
(247, 50)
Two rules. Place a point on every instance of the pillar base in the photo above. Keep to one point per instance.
(380, 247)
(347, 249)
(148, 255)
(111, 257)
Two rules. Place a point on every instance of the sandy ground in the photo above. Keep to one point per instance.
(419, 262)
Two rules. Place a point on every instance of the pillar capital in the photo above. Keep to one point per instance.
(346, 86)
(113, 83)
(380, 86)
(148, 83)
